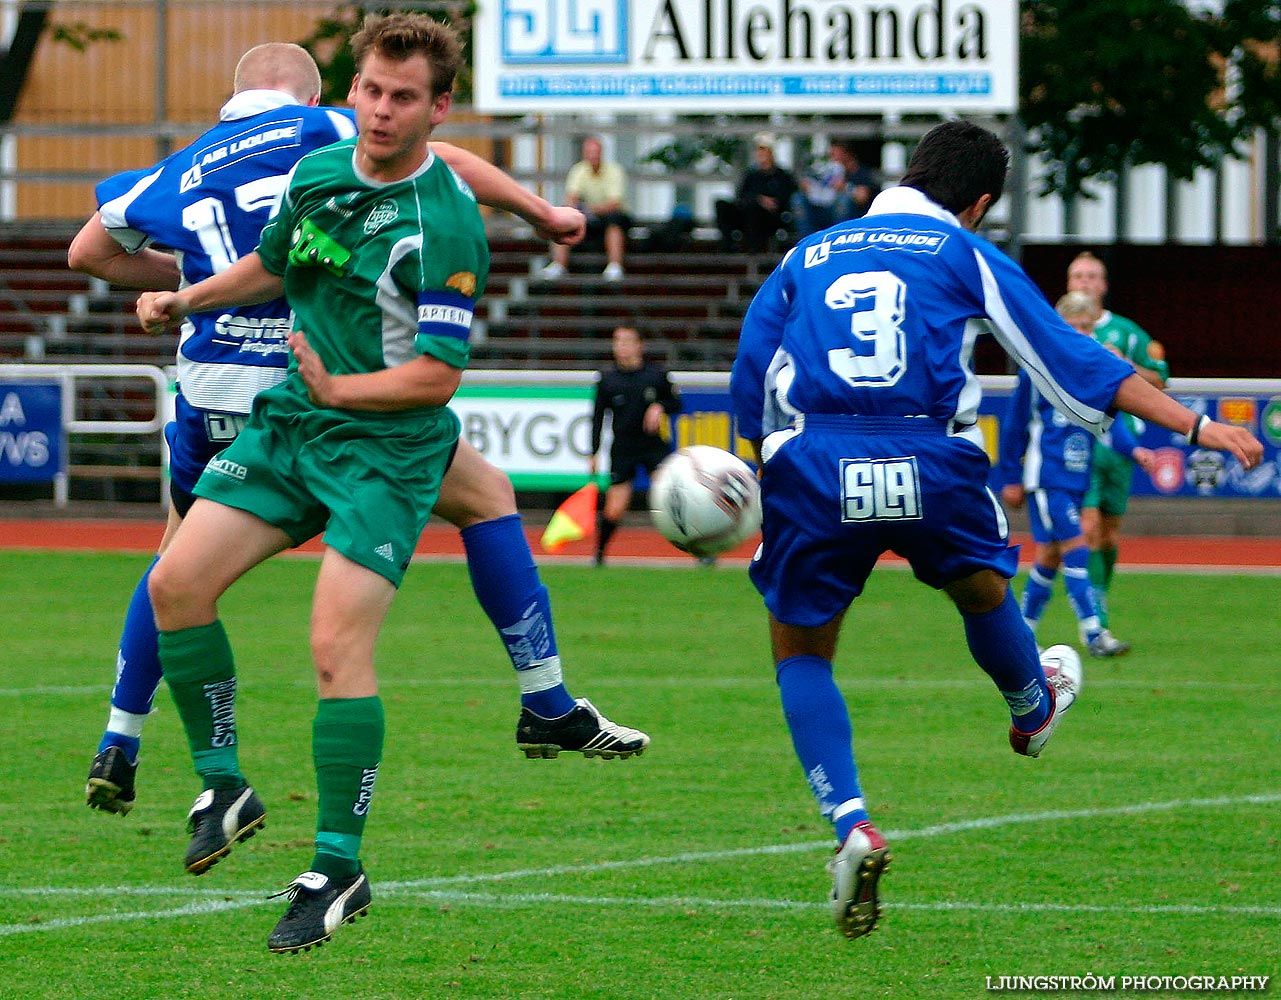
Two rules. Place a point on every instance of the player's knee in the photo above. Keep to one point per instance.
(174, 596)
(325, 649)
(493, 497)
(1049, 554)
(480, 492)
(343, 658)
(159, 588)
(980, 593)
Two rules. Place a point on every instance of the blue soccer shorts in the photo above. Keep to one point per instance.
(845, 490)
(1054, 515)
(195, 436)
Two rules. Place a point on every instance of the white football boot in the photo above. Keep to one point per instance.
(856, 869)
(1062, 666)
(1106, 644)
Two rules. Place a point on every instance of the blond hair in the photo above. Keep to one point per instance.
(1077, 304)
(279, 66)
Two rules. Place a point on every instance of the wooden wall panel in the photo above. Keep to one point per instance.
(114, 83)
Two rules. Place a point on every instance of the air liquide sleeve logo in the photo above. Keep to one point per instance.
(564, 31)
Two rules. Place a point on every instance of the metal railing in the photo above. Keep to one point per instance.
(73, 379)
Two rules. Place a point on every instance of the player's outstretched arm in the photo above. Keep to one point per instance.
(565, 225)
(497, 189)
(95, 252)
(1135, 395)
(246, 282)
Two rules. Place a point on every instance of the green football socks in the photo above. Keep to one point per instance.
(347, 745)
(1102, 566)
(201, 674)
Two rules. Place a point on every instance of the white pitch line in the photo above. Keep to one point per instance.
(195, 908)
(526, 898)
(488, 899)
(218, 901)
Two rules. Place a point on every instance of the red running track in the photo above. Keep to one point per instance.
(629, 544)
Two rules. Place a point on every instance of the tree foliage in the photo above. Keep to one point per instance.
(328, 42)
(80, 35)
(1103, 85)
(1106, 85)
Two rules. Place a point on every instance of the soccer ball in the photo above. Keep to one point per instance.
(704, 500)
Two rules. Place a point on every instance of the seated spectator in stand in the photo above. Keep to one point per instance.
(834, 190)
(760, 209)
(597, 188)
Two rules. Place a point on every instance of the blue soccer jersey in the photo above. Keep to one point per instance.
(1040, 448)
(854, 369)
(877, 317)
(209, 202)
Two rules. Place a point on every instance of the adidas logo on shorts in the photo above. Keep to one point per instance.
(386, 551)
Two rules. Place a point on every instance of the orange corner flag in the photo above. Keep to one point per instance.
(574, 519)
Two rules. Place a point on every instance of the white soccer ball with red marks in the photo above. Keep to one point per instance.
(704, 500)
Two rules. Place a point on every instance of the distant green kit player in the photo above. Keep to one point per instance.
(1112, 474)
(381, 251)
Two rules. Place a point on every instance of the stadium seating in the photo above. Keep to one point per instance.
(688, 305)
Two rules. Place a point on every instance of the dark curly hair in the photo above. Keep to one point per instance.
(956, 163)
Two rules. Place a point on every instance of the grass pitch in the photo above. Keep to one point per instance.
(1143, 843)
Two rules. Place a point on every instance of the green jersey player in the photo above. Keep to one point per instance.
(382, 252)
(1112, 474)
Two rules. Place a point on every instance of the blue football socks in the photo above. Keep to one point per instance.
(1076, 578)
(1036, 593)
(819, 722)
(510, 592)
(137, 674)
(1003, 645)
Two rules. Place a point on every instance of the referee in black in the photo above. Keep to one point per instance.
(638, 395)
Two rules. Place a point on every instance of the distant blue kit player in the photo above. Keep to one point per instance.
(853, 380)
(1047, 459)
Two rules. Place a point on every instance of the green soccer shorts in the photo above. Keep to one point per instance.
(367, 481)
(1111, 476)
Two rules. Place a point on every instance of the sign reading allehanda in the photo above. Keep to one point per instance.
(716, 56)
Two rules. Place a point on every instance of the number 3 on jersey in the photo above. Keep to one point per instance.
(875, 299)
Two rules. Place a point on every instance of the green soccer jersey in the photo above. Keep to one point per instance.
(1132, 341)
(378, 273)
(1136, 346)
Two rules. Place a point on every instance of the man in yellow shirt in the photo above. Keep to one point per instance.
(598, 188)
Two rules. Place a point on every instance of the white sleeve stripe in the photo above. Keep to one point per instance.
(131, 240)
(1011, 336)
(343, 126)
(113, 212)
